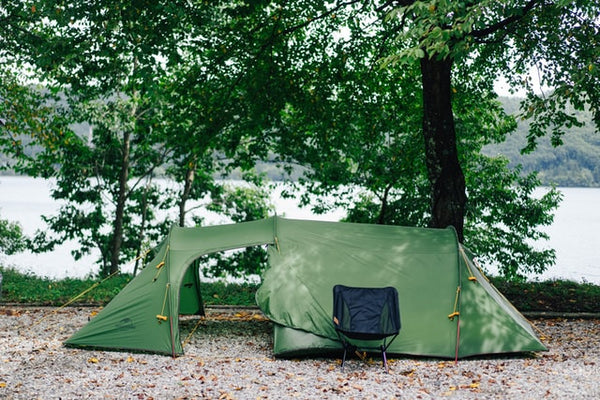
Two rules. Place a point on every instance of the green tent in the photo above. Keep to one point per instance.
(448, 308)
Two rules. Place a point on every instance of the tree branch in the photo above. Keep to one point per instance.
(507, 21)
(394, 3)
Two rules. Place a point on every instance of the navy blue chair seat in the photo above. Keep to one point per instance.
(366, 314)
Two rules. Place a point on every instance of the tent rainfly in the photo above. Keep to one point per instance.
(448, 308)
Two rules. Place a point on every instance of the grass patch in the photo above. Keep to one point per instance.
(25, 288)
(554, 295)
(235, 294)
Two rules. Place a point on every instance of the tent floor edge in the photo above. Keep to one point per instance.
(121, 349)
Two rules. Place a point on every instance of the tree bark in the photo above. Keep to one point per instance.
(448, 197)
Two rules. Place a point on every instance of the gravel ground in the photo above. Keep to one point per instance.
(229, 357)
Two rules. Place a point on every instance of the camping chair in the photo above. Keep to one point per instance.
(366, 314)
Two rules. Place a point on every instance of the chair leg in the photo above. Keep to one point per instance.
(384, 358)
(344, 358)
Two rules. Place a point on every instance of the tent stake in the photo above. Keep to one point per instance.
(457, 340)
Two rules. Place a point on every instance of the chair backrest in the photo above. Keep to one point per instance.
(366, 313)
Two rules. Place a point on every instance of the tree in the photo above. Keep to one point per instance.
(127, 69)
(353, 124)
(375, 149)
(104, 61)
(306, 47)
(482, 40)
(91, 172)
(450, 42)
(11, 237)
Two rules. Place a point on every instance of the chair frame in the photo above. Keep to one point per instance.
(346, 336)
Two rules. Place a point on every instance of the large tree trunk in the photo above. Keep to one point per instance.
(448, 197)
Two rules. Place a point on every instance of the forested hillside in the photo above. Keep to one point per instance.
(575, 163)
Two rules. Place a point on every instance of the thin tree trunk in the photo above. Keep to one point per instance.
(448, 197)
(384, 205)
(187, 188)
(142, 231)
(117, 238)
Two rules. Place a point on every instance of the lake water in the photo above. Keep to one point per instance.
(574, 233)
